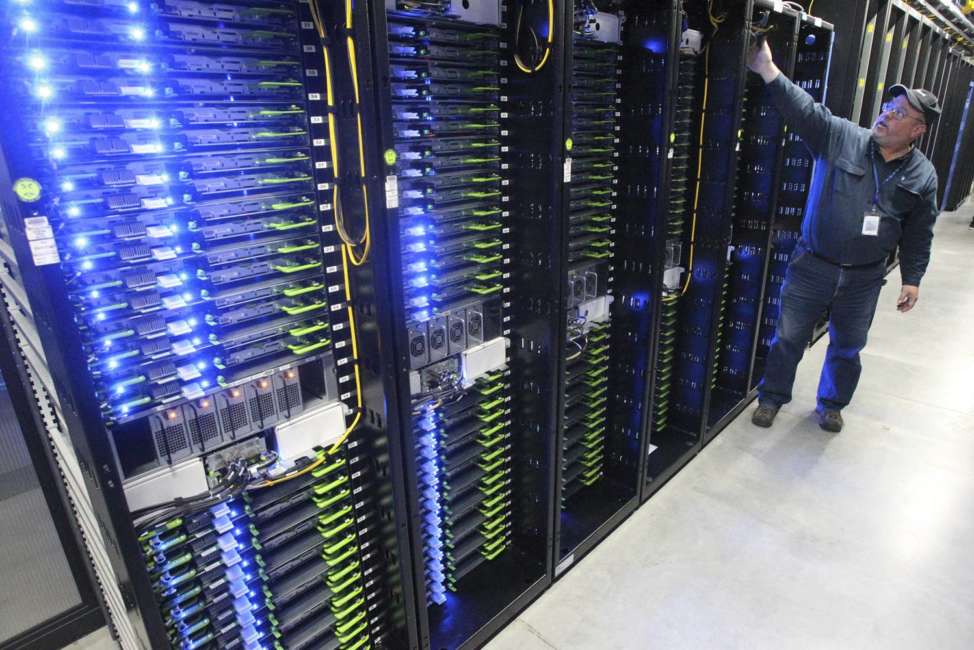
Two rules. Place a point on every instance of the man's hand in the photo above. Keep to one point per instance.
(759, 60)
(909, 295)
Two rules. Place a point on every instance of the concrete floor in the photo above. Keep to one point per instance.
(795, 538)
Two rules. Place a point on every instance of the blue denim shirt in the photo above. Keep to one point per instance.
(843, 187)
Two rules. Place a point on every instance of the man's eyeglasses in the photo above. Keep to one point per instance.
(898, 113)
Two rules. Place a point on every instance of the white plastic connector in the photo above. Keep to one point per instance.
(481, 359)
(298, 437)
(165, 484)
(595, 311)
(672, 276)
(691, 42)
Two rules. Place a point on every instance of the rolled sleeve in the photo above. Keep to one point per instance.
(917, 237)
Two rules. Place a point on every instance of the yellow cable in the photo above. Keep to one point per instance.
(548, 42)
(696, 191)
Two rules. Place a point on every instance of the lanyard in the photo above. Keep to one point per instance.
(885, 180)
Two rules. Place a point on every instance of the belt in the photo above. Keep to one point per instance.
(845, 266)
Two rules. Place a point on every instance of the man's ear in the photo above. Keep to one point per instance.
(919, 130)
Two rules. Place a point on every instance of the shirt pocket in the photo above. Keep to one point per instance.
(848, 181)
(902, 202)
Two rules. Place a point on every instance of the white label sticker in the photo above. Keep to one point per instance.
(44, 252)
(870, 225)
(567, 172)
(392, 192)
(317, 119)
(818, 22)
(669, 154)
(314, 97)
(318, 142)
(38, 228)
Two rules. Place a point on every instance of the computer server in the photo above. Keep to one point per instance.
(444, 114)
(813, 48)
(762, 137)
(707, 86)
(176, 250)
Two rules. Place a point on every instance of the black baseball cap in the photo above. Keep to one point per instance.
(920, 99)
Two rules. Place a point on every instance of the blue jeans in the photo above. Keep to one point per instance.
(811, 287)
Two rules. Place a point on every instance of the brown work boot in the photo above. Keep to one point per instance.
(764, 414)
(829, 420)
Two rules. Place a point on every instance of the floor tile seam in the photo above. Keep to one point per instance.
(537, 633)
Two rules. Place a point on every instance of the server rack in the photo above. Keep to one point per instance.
(473, 246)
(179, 275)
(813, 55)
(697, 222)
(763, 176)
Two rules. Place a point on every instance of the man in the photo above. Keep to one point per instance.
(871, 191)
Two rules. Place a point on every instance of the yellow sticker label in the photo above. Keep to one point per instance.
(672, 138)
(390, 157)
(569, 143)
(27, 189)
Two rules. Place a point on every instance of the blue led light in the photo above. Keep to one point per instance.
(112, 364)
(44, 91)
(80, 242)
(87, 265)
(67, 186)
(52, 125)
(59, 153)
(120, 390)
(133, 7)
(100, 317)
(74, 211)
(36, 62)
(28, 24)
(137, 33)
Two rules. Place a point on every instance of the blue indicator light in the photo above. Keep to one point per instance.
(133, 7)
(36, 62)
(59, 153)
(137, 33)
(87, 265)
(28, 24)
(81, 242)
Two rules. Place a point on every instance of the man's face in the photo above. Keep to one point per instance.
(900, 125)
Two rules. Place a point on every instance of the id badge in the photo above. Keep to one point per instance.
(870, 222)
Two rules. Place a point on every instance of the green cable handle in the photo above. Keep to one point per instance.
(490, 391)
(284, 250)
(494, 544)
(291, 292)
(482, 195)
(284, 179)
(337, 546)
(598, 256)
(486, 291)
(483, 227)
(482, 145)
(486, 213)
(490, 529)
(488, 481)
(490, 243)
(359, 625)
(490, 467)
(494, 554)
(489, 417)
(334, 531)
(279, 159)
(492, 455)
(498, 507)
(295, 269)
(488, 276)
(337, 577)
(491, 504)
(479, 161)
(311, 329)
(485, 179)
(278, 134)
(303, 309)
(270, 113)
(492, 490)
(489, 405)
(291, 205)
(278, 84)
(311, 347)
(326, 503)
(340, 602)
(321, 470)
(328, 487)
(292, 226)
(352, 550)
(483, 259)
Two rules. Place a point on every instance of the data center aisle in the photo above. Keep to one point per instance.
(794, 538)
